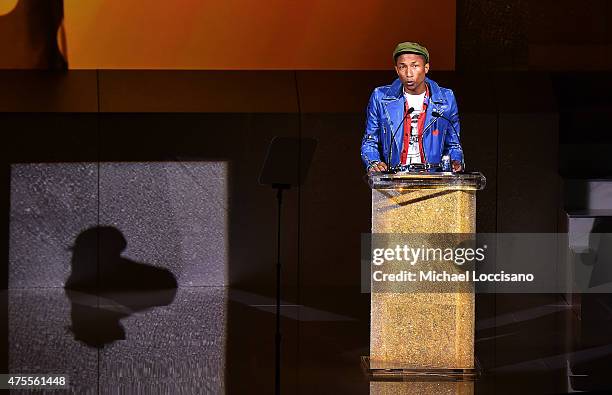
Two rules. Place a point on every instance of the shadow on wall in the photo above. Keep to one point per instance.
(105, 287)
(29, 35)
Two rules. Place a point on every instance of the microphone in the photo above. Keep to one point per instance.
(389, 171)
(436, 114)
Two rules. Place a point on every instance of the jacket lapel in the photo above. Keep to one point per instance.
(395, 111)
(436, 101)
(432, 104)
(393, 103)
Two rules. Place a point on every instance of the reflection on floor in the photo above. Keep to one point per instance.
(218, 340)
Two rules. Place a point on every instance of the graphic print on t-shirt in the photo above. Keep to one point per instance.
(414, 151)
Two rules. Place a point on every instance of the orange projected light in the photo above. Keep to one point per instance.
(255, 35)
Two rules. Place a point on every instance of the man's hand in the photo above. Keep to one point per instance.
(378, 166)
(456, 165)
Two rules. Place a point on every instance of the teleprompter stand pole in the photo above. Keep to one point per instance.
(278, 337)
(286, 165)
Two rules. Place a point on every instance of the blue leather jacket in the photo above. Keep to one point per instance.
(384, 115)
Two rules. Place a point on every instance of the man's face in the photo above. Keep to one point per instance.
(411, 69)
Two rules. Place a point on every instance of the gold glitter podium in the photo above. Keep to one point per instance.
(429, 332)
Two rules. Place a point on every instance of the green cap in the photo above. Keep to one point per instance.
(409, 47)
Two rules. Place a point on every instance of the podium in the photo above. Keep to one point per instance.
(429, 331)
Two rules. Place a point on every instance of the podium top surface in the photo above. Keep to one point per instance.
(474, 181)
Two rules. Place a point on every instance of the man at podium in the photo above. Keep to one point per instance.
(413, 122)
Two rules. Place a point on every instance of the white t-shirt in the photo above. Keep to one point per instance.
(414, 150)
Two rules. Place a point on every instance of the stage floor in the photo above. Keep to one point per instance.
(220, 340)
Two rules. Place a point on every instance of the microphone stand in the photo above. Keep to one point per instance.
(277, 336)
(439, 115)
(389, 171)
